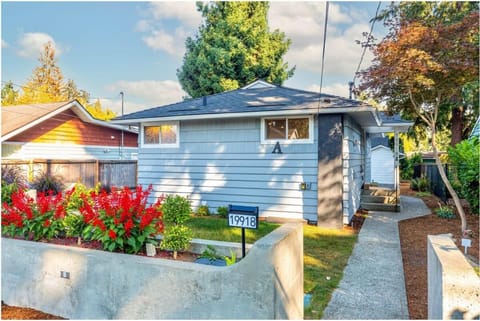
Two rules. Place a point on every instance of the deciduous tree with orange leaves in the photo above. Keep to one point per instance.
(420, 68)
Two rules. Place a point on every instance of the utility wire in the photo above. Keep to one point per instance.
(366, 45)
(323, 53)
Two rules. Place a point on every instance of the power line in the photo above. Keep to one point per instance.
(323, 52)
(366, 45)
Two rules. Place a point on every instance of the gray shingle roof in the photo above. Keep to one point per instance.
(247, 100)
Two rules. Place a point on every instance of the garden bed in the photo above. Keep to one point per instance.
(413, 239)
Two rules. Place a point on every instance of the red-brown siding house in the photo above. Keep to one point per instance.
(63, 130)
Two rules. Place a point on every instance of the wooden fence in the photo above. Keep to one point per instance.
(88, 172)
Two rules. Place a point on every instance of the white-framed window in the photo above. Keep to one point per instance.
(160, 135)
(297, 130)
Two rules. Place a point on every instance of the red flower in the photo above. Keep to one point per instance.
(46, 223)
(128, 226)
(112, 234)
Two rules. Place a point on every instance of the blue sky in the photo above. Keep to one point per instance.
(136, 47)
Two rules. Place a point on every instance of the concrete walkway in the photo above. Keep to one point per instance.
(373, 284)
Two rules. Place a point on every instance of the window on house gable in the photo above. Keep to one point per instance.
(293, 129)
(161, 135)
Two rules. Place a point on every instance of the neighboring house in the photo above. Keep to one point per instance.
(62, 130)
(295, 154)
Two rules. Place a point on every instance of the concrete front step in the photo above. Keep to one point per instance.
(378, 192)
(380, 207)
(379, 199)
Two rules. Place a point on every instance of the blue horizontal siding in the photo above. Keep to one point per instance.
(223, 162)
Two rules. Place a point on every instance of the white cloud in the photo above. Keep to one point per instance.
(150, 92)
(161, 40)
(167, 14)
(336, 89)
(31, 44)
(5, 44)
(185, 12)
(303, 22)
(116, 105)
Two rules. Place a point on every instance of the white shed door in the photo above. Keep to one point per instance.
(382, 166)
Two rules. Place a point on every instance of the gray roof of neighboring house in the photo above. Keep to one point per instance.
(392, 119)
(258, 97)
(377, 141)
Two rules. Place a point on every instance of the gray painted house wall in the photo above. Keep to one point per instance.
(330, 171)
(353, 167)
(223, 162)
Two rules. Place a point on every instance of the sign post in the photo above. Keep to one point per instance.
(243, 217)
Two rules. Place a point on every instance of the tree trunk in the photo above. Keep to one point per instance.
(457, 126)
(443, 175)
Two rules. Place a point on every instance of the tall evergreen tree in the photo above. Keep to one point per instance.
(46, 82)
(47, 85)
(233, 47)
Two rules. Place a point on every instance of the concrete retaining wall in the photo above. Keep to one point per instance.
(453, 285)
(266, 284)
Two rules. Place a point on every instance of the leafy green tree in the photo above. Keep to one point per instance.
(465, 158)
(9, 94)
(233, 48)
(419, 69)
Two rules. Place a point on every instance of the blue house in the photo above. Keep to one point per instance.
(295, 154)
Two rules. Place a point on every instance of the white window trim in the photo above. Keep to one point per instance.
(310, 139)
(160, 145)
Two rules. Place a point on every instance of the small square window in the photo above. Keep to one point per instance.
(275, 128)
(162, 135)
(298, 128)
(289, 129)
(151, 135)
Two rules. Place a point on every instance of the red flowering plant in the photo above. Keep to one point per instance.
(122, 220)
(33, 220)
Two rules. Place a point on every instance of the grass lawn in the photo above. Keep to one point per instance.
(326, 252)
(215, 228)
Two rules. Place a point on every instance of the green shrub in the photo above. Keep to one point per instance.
(420, 184)
(176, 238)
(222, 211)
(407, 165)
(176, 211)
(48, 183)
(210, 253)
(445, 212)
(465, 161)
(203, 210)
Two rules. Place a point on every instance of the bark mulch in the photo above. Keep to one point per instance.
(413, 239)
